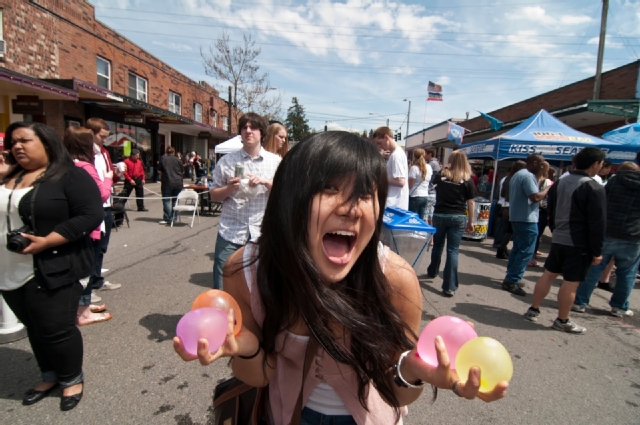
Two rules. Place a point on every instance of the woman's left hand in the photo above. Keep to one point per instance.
(442, 376)
(37, 245)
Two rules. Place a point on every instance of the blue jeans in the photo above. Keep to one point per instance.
(524, 244)
(311, 417)
(627, 256)
(223, 251)
(100, 248)
(418, 204)
(449, 227)
(168, 202)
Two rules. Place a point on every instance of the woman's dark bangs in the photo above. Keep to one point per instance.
(351, 158)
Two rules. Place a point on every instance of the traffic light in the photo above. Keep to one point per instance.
(398, 137)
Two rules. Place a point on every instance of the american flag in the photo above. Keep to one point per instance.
(435, 92)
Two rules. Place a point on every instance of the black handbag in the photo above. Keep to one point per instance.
(236, 403)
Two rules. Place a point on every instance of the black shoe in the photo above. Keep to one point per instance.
(606, 286)
(502, 255)
(514, 288)
(70, 402)
(142, 209)
(33, 396)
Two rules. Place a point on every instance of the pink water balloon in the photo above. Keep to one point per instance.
(454, 332)
(208, 323)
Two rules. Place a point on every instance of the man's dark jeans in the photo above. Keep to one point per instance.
(169, 199)
(139, 189)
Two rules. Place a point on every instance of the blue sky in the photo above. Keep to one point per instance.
(352, 63)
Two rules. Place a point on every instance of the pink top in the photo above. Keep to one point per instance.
(285, 386)
(104, 186)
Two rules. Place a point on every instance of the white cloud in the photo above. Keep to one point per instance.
(575, 19)
(174, 46)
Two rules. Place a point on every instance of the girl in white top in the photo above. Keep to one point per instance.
(419, 178)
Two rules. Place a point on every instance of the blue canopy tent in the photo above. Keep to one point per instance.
(626, 135)
(544, 134)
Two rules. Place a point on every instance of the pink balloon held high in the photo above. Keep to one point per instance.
(454, 332)
(208, 323)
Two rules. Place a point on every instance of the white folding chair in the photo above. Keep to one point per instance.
(190, 203)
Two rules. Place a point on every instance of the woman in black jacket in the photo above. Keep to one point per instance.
(50, 207)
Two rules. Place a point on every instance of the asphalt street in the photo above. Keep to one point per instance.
(132, 375)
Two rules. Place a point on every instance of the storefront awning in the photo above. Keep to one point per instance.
(15, 84)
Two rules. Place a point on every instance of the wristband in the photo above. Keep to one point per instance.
(253, 355)
(397, 375)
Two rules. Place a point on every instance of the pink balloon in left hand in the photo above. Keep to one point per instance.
(208, 323)
(454, 332)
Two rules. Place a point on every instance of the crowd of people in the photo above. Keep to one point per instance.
(298, 246)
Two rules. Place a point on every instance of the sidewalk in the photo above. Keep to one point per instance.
(134, 377)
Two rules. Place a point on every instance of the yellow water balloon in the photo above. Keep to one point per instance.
(490, 356)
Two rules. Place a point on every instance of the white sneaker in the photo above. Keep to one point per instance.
(108, 286)
(618, 312)
(103, 271)
(94, 298)
(163, 222)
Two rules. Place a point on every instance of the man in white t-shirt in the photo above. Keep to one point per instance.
(397, 168)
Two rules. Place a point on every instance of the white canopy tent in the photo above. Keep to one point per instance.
(231, 145)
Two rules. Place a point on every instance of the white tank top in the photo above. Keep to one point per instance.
(15, 269)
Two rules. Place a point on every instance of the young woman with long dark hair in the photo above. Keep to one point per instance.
(79, 143)
(319, 272)
(40, 273)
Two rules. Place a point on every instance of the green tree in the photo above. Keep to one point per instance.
(297, 123)
(364, 134)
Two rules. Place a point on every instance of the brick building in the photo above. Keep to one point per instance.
(60, 66)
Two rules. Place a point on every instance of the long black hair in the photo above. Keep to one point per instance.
(59, 160)
(291, 286)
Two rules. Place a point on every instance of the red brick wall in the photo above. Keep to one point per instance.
(617, 84)
(56, 110)
(61, 38)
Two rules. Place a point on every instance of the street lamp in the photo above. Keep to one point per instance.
(371, 113)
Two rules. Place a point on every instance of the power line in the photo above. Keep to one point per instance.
(368, 36)
(245, 21)
(361, 50)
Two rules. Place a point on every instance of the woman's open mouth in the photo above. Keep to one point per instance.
(338, 246)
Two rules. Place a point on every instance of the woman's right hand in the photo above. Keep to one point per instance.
(108, 175)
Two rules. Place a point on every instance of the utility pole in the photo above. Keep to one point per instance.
(408, 117)
(603, 33)
(230, 106)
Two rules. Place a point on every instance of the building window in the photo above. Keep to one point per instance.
(103, 67)
(214, 118)
(174, 102)
(225, 123)
(197, 112)
(137, 87)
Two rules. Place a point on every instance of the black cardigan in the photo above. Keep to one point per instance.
(72, 207)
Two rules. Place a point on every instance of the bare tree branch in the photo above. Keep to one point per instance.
(237, 65)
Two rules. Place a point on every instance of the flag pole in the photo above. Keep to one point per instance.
(424, 120)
